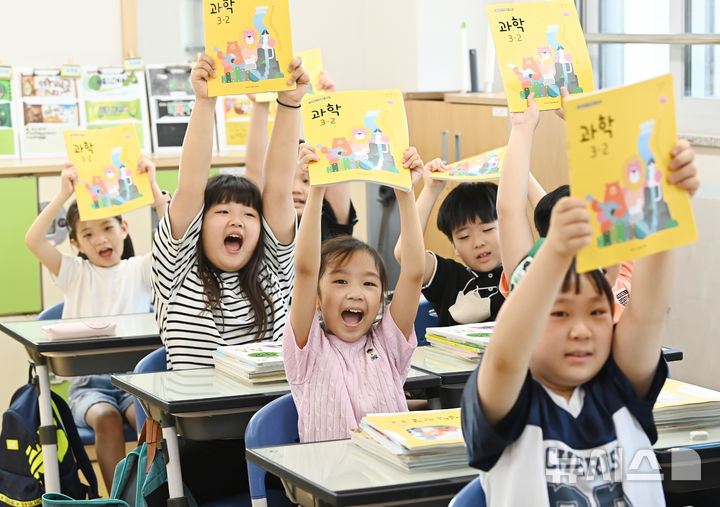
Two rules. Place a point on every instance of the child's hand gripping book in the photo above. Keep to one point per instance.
(540, 48)
(251, 44)
(359, 136)
(483, 167)
(619, 144)
(108, 181)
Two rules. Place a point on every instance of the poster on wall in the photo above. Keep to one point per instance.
(113, 96)
(8, 118)
(233, 121)
(48, 106)
(171, 101)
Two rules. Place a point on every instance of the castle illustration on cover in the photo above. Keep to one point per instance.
(368, 148)
(252, 56)
(116, 187)
(634, 207)
(549, 69)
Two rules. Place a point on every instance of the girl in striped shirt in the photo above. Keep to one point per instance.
(350, 365)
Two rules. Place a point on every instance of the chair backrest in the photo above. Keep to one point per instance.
(54, 312)
(154, 361)
(472, 495)
(273, 424)
(425, 318)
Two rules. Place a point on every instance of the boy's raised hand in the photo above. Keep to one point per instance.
(683, 171)
(302, 79)
(530, 117)
(68, 179)
(436, 165)
(203, 70)
(570, 228)
(306, 154)
(411, 160)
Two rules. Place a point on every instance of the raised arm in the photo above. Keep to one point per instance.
(307, 267)
(257, 142)
(516, 237)
(431, 190)
(638, 335)
(407, 291)
(145, 165)
(281, 157)
(47, 254)
(196, 154)
(523, 317)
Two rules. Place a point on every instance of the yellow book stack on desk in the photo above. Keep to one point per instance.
(410, 440)
(255, 363)
(466, 341)
(686, 405)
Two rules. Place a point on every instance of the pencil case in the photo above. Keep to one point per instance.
(84, 329)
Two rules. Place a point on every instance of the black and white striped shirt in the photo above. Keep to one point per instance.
(190, 333)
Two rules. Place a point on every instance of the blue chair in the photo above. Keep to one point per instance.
(273, 424)
(425, 318)
(87, 435)
(54, 312)
(154, 361)
(472, 495)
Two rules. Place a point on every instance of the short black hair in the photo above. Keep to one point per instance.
(544, 207)
(466, 203)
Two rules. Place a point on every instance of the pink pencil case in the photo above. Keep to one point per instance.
(84, 329)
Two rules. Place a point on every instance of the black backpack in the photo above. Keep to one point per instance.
(21, 459)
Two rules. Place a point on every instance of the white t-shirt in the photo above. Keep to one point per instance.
(92, 291)
(189, 332)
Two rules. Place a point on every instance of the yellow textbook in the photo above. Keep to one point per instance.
(233, 121)
(540, 48)
(359, 136)
(312, 61)
(417, 430)
(619, 143)
(485, 166)
(108, 182)
(251, 44)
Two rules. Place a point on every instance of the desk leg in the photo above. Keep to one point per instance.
(48, 434)
(174, 472)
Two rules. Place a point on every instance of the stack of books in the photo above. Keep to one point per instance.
(683, 405)
(466, 341)
(255, 363)
(414, 440)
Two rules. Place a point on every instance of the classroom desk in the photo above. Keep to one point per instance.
(454, 372)
(343, 474)
(135, 336)
(205, 404)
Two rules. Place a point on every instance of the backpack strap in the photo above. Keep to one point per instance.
(76, 444)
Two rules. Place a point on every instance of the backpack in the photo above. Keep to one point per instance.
(21, 459)
(140, 479)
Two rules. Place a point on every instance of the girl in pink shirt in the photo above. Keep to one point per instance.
(349, 365)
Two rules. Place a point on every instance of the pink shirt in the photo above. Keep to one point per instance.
(334, 383)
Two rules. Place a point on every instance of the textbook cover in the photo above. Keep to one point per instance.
(619, 143)
(413, 431)
(232, 113)
(251, 44)
(475, 335)
(684, 405)
(483, 167)
(259, 354)
(312, 62)
(540, 47)
(108, 182)
(359, 136)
